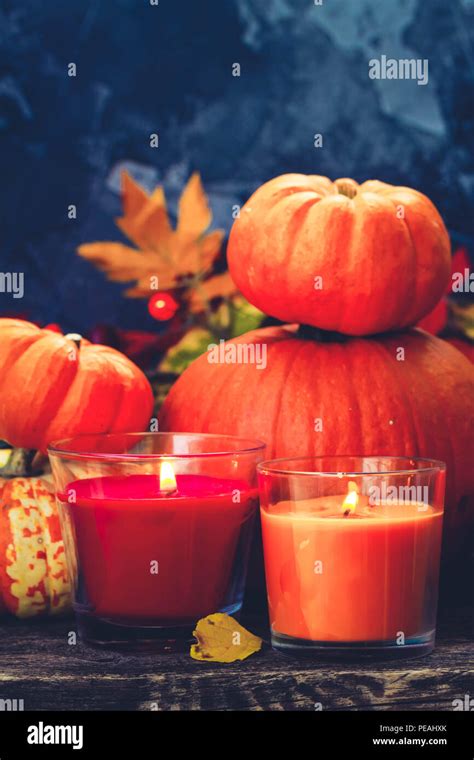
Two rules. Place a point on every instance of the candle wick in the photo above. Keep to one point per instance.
(347, 513)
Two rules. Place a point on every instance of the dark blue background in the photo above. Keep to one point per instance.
(168, 69)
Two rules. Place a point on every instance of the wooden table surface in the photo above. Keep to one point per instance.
(38, 665)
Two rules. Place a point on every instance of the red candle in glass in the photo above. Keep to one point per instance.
(157, 553)
(157, 529)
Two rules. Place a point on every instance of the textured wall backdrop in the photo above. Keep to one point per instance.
(167, 68)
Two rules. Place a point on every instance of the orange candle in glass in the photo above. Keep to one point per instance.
(352, 556)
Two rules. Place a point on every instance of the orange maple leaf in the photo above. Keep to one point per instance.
(163, 256)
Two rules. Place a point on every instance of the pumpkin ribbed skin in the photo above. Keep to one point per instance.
(50, 389)
(368, 401)
(33, 573)
(379, 271)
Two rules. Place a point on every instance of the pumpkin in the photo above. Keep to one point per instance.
(33, 573)
(466, 347)
(357, 259)
(54, 386)
(407, 394)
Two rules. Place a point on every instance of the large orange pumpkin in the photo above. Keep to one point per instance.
(466, 347)
(407, 394)
(33, 573)
(357, 259)
(54, 386)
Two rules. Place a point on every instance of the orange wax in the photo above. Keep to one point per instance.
(367, 576)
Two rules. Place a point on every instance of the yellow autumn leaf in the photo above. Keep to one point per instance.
(194, 214)
(120, 262)
(150, 227)
(134, 196)
(223, 639)
(161, 251)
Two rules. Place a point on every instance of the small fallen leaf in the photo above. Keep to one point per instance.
(223, 639)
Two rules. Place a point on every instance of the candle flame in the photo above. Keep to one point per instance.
(167, 477)
(352, 499)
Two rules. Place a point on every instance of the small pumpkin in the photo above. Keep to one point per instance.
(357, 259)
(54, 386)
(406, 394)
(33, 573)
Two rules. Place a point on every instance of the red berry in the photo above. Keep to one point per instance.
(162, 306)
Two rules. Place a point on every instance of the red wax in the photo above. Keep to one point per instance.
(123, 525)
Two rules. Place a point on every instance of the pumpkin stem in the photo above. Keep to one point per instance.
(307, 332)
(76, 338)
(20, 464)
(347, 187)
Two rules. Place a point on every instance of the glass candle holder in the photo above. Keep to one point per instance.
(352, 554)
(157, 529)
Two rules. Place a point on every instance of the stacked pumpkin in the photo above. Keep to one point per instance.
(52, 386)
(353, 266)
